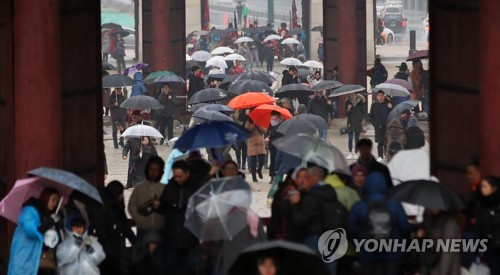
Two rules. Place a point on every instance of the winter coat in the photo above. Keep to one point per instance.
(139, 88)
(374, 166)
(319, 106)
(414, 138)
(169, 105)
(356, 115)
(138, 171)
(117, 112)
(119, 51)
(378, 117)
(283, 226)
(375, 191)
(131, 146)
(143, 261)
(395, 132)
(284, 162)
(143, 193)
(379, 74)
(255, 144)
(27, 243)
(288, 79)
(195, 84)
(487, 215)
(346, 195)
(445, 226)
(308, 212)
(74, 259)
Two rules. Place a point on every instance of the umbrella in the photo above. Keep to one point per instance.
(316, 120)
(141, 102)
(207, 95)
(218, 210)
(327, 85)
(201, 32)
(426, 193)
(115, 28)
(400, 82)
(398, 109)
(290, 61)
(229, 79)
(152, 76)
(247, 85)
(392, 89)
(347, 89)
(313, 64)
(135, 68)
(319, 40)
(213, 134)
(291, 258)
(218, 33)
(317, 29)
(272, 37)
(231, 30)
(313, 149)
(302, 124)
(217, 61)
(290, 41)
(243, 40)
(296, 31)
(172, 80)
(207, 115)
(261, 115)
(295, 91)
(141, 130)
(201, 56)
(250, 100)
(188, 58)
(107, 66)
(117, 80)
(222, 50)
(423, 54)
(304, 72)
(257, 75)
(217, 107)
(234, 56)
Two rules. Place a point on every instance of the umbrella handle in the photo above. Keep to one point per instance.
(59, 205)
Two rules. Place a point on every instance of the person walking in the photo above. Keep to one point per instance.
(378, 73)
(105, 43)
(415, 137)
(355, 112)
(139, 88)
(268, 54)
(321, 106)
(403, 72)
(256, 149)
(271, 135)
(395, 138)
(145, 150)
(195, 81)
(239, 11)
(166, 115)
(290, 76)
(244, 12)
(118, 115)
(367, 160)
(119, 54)
(254, 51)
(379, 112)
(240, 117)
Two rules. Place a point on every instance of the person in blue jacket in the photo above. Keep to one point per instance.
(139, 88)
(375, 190)
(37, 216)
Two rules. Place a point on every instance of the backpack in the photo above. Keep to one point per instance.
(335, 215)
(378, 223)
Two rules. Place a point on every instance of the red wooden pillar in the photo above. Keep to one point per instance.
(160, 34)
(490, 87)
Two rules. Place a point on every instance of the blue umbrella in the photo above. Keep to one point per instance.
(213, 134)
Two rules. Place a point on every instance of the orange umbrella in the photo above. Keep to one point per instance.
(250, 100)
(261, 115)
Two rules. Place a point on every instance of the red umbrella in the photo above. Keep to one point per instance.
(261, 115)
(423, 54)
(250, 100)
(400, 82)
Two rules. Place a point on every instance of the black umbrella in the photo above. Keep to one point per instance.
(115, 28)
(427, 193)
(245, 86)
(398, 109)
(173, 80)
(295, 91)
(217, 107)
(326, 85)
(216, 76)
(314, 119)
(141, 102)
(117, 80)
(256, 75)
(296, 31)
(107, 66)
(207, 95)
(206, 115)
(304, 72)
(299, 125)
(346, 89)
(317, 29)
(291, 259)
(228, 80)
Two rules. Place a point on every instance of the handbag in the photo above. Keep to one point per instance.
(47, 260)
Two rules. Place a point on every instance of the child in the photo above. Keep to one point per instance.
(79, 254)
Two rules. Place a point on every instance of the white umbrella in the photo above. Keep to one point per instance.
(234, 56)
(243, 40)
(313, 64)
(188, 58)
(272, 37)
(222, 50)
(291, 62)
(392, 89)
(201, 56)
(217, 61)
(290, 41)
(201, 32)
(141, 130)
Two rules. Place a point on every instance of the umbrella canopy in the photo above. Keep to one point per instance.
(207, 95)
(248, 85)
(317, 29)
(135, 68)
(200, 32)
(261, 115)
(295, 91)
(107, 66)
(304, 72)
(327, 85)
(257, 75)
(117, 80)
(218, 210)
(290, 41)
(217, 107)
(313, 64)
(315, 150)
(290, 61)
(291, 259)
(217, 61)
(302, 124)
(141, 102)
(426, 193)
(188, 58)
(214, 134)
(207, 115)
(222, 50)
(218, 33)
(154, 75)
(229, 79)
(234, 56)
(216, 76)
(272, 37)
(423, 54)
(398, 109)
(250, 100)
(400, 82)
(346, 89)
(140, 130)
(172, 80)
(296, 31)
(243, 40)
(201, 56)
(392, 89)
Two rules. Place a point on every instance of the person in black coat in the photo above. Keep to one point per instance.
(118, 114)
(367, 160)
(272, 135)
(196, 81)
(145, 150)
(147, 256)
(403, 72)
(166, 114)
(268, 53)
(320, 106)
(414, 135)
(379, 112)
(290, 76)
